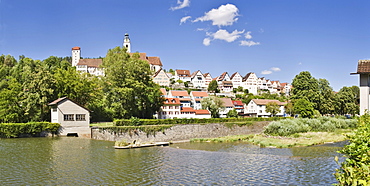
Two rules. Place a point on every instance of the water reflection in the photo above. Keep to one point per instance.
(76, 161)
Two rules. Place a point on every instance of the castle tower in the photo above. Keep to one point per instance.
(127, 43)
(76, 55)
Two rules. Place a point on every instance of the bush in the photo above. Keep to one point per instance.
(32, 128)
(323, 124)
(355, 170)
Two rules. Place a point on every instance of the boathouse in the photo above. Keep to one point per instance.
(73, 118)
(363, 69)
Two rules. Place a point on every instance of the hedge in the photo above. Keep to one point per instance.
(138, 122)
(9, 130)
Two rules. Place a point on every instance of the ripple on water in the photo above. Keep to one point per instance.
(75, 161)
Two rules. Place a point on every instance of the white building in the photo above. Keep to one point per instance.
(257, 108)
(183, 75)
(73, 118)
(197, 97)
(183, 96)
(363, 69)
(236, 79)
(250, 83)
(228, 106)
(198, 80)
(161, 78)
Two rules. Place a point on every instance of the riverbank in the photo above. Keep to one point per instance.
(296, 140)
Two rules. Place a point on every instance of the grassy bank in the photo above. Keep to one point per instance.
(296, 140)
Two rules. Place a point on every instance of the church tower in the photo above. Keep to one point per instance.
(127, 43)
(76, 55)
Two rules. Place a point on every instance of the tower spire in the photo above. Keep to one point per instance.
(127, 43)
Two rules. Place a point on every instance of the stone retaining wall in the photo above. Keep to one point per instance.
(182, 132)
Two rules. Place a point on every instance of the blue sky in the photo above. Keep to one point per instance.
(274, 39)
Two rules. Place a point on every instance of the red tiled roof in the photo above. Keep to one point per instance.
(179, 93)
(227, 102)
(183, 73)
(265, 101)
(172, 101)
(222, 76)
(187, 109)
(247, 76)
(227, 83)
(202, 112)
(90, 62)
(199, 93)
(363, 66)
(151, 60)
(76, 48)
(237, 102)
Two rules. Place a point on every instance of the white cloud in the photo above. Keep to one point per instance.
(225, 35)
(181, 5)
(225, 15)
(248, 43)
(184, 19)
(275, 69)
(248, 35)
(206, 41)
(266, 72)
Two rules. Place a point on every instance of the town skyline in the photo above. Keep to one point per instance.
(274, 40)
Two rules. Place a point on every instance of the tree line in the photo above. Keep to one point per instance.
(126, 90)
(311, 96)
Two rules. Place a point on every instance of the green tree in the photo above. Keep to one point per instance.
(304, 108)
(232, 114)
(345, 102)
(214, 105)
(130, 91)
(273, 108)
(213, 87)
(10, 104)
(306, 86)
(325, 102)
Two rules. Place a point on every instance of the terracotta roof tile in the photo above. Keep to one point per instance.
(199, 93)
(227, 102)
(183, 73)
(76, 48)
(164, 92)
(202, 112)
(179, 93)
(172, 101)
(363, 66)
(265, 101)
(90, 62)
(237, 102)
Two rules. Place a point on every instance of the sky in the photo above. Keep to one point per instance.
(274, 39)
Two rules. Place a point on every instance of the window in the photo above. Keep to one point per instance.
(68, 117)
(54, 109)
(80, 117)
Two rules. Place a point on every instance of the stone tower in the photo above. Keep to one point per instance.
(127, 43)
(76, 55)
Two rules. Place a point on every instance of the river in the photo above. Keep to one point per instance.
(79, 161)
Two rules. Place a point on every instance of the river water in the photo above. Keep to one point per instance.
(78, 161)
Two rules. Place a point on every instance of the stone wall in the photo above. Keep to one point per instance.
(182, 132)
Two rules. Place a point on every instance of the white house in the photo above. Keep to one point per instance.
(73, 118)
(171, 109)
(228, 106)
(363, 69)
(161, 78)
(236, 79)
(183, 75)
(208, 79)
(250, 83)
(196, 98)
(257, 108)
(182, 95)
(198, 80)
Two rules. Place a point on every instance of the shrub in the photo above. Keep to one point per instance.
(32, 128)
(355, 170)
(288, 127)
